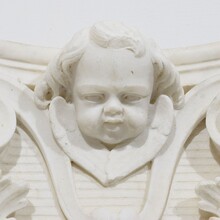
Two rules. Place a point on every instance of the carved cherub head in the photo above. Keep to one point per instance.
(111, 74)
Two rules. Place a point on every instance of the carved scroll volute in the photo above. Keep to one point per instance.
(12, 195)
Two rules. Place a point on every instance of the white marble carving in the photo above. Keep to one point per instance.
(110, 107)
(209, 193)
(109, 74)
(12, 195)
(110, 77)
(213, 122)
(7, 123)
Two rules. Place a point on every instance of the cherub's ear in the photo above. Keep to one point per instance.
(62, 117)
(164, 115)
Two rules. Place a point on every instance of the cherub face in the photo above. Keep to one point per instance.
(112, 90)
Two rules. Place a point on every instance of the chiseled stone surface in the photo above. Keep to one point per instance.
(196, 164)
(23, 162)
(108, 133)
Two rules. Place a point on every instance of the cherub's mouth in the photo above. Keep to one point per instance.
(113, 124)
(113, 121)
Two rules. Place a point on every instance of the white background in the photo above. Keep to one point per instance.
(172, 23)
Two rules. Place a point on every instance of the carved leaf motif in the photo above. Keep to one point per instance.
(209, 193)
(12, 197)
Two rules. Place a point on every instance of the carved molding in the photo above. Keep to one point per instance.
(7, 123)
(12, 195)
(213, 122)
(29, 62)
(209, 191)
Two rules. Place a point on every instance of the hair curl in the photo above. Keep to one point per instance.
(58, 78)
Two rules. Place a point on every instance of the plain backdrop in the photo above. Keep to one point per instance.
(172, 23)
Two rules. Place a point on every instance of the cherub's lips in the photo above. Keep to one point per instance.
(112, 126)
(113, 121)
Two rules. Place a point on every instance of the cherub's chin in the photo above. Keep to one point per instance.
(111, 143)
(112, 127)
(110, 146)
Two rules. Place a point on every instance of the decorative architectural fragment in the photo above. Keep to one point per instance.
(12, 194)
(12, 197)
(209, 192)
(106, 128)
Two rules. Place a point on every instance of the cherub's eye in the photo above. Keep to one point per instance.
(95, 98)
(131, 98)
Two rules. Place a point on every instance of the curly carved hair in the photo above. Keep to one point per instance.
(59, 75)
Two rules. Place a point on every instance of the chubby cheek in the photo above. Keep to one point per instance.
(89, 120)
(137, 118)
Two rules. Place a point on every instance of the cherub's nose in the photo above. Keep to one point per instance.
(113, 107)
